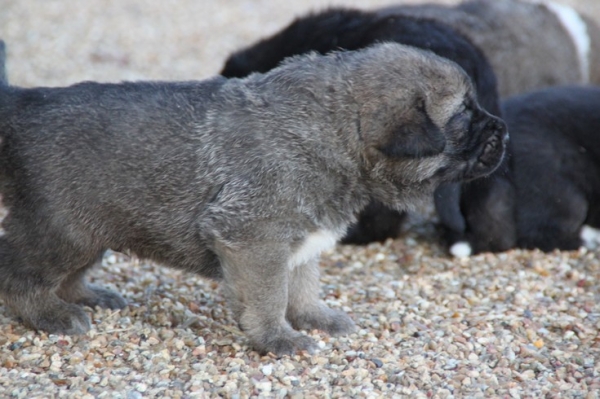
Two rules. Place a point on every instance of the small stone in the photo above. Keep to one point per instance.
(134, 395)
(199, 350)
(264, 386)
(152, 341)
(527, 375)
(267, 370)
(141, 387)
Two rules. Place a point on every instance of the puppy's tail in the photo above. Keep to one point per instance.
(3, 75)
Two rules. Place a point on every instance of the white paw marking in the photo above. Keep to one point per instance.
(461, 249)
(577, 29)
(313, 245)
(590, 236)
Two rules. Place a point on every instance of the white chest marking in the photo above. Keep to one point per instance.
(313, 245)
(577, 29)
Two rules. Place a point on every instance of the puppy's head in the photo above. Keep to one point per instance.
(419, 123)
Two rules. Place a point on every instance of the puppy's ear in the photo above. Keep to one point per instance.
(415, 139)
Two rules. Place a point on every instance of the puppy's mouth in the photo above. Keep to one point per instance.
(489, 154)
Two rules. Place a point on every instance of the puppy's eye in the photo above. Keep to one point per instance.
(461, 120)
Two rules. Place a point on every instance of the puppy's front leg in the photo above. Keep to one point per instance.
(305, 310)
(75, 289)
(256, 287)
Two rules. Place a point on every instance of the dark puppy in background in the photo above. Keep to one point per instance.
(244, 181)
(555, 171)
(530, 45)
(341, 28)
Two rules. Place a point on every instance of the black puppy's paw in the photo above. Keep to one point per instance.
(590, 237)
(461, 249)
(333, 322)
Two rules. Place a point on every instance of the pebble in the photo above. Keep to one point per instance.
(267, 370)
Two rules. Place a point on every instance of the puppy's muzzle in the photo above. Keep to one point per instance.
(490, 152)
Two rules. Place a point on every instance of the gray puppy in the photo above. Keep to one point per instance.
(529, 44)
(241, 180)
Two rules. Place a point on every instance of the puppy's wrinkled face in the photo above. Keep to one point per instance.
(425, 127)
(477, 142)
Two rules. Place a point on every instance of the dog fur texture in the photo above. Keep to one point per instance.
(341, 28)
(530, 45)
(3, 74)
(550, 196)
(240, 180)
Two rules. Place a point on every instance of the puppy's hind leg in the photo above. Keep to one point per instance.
(28, 289)
(305, 310)
(74, 289)
(553, 220)
(256, 287)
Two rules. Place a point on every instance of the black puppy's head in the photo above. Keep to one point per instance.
(321, 32)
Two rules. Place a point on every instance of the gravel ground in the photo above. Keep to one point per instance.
(516, 324)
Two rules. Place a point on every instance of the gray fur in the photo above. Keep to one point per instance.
(525, 42)
(226, 178)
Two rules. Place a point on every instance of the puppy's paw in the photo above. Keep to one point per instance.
(589, 236)
(289, 343)
(69, 319)
(333, 322)
(102, 297)
(461, 249)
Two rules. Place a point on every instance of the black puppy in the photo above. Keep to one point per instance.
(349, 29)
(553, 187)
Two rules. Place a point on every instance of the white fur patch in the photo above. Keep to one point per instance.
(590, 236)
(313, 245)
(461, 249)
(577, 29)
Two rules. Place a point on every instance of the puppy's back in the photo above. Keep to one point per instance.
(572, 112)
(99, 140)
(561, 127)
(525, 42)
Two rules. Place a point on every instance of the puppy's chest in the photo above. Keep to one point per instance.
(312, 246)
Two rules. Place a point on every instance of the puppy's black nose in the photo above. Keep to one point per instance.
(497, 126)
